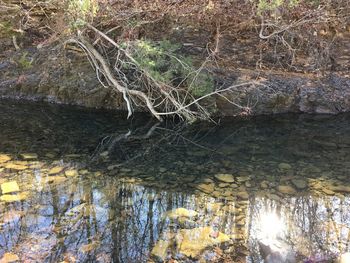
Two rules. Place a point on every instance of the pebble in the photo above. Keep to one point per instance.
(226, 178)
(284, 166)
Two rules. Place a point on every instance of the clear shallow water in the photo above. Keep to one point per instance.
(82, 186)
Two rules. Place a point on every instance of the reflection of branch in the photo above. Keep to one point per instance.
(109, 142)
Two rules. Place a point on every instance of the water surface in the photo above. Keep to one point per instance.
(91, 186)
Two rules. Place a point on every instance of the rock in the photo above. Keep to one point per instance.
(206, 188)
(248, 184)
(71, 173)
(55, 170)
(12, 217)
(243, 195)
(9, 187)
(226, 178)
(193, 242)
(181, 212)
(162, 169)
(185, 222)
(213, 207)
(104, 154)
(159, 251)
(15, 166)
(54, 179)
(50, 155)
(83, 171)
(242, 179)
(29, 156)
(224, 185)
(73, 156)
(4, 158)
(327, 191)
(89, 247)
(339, 188)
(8, 198)
(284, 166)
(208, 181)
(264, 184)
(286, 189)
(299, 183)
(276, 252)
(9, 257)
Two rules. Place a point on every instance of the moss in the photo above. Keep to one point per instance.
(24, 62)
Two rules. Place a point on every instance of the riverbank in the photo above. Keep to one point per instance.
(301, 67)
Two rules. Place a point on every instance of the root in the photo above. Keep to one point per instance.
(159, 98)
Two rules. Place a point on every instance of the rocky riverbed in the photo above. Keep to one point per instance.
(265, 189)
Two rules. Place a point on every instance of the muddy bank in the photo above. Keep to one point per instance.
(66, 77)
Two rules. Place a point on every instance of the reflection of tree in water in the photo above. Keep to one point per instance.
(312, 227)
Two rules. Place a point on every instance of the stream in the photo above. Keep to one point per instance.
(82, 185)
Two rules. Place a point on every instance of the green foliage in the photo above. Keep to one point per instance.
(24, 61)
(269, 5)
(161, 61)
(81, 11)
(6, 29)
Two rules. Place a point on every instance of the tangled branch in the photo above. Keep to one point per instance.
(160, 98)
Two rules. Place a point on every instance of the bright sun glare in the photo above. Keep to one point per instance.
(271, 226)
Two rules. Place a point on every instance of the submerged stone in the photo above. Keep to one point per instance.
(213, 207)
(243, 195)
(12, 216)
(193, 242)
(226, 178)
(284, 166)
(54, 179)
(327, 191)
(339, 188)
(9, 187)
(89, 247)
(71, 173)
(56, 170)
(15, 166)
(206, 188)
(29, 156)
(4, 158)
(9, 257)
(286, 189)
(299, 183)
(181, 212)
(159, 251)
(8, 198)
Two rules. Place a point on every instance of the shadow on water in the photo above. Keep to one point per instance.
(90, 186)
